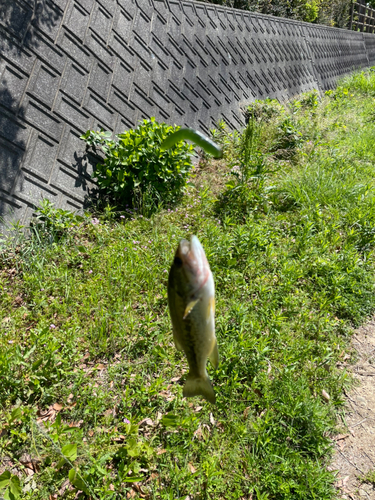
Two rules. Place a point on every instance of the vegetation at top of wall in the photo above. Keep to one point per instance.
(331, 13)
(91, 383)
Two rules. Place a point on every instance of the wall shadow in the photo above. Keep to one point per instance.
(12, 147)
(19, 23)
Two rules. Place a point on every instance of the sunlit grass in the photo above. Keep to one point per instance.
(86, 350)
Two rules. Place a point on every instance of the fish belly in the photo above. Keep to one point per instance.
(199, 344)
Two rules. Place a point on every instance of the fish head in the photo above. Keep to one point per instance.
(191, 262)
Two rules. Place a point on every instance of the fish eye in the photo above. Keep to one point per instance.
(178, 261)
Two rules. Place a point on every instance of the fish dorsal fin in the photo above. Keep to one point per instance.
(190, 307)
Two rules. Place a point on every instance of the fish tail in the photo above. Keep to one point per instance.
(199, 386)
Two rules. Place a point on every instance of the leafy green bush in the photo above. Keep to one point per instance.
(136, 171)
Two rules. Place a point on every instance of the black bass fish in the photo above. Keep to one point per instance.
(191, 300)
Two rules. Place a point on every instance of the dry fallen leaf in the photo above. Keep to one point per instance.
(119, 439)
(212, 420)
(146, 421)
(161, 451)
(167, 395)
(44, 415)
(340, 436)
(246, 411)
(198, 433)
(341, 444)
(57, 407)
(325, 395)
(220, 426)
(138, 488)
(192, 468)
(202, 432)
(30, 463)
(18, 300)
(76, 424)
(153, 476)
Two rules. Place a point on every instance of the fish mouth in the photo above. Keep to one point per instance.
(191, 256)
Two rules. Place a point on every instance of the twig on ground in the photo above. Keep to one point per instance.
(372, 355)
(351, 463)
(359, 423)
(368, 458)
(365, 374)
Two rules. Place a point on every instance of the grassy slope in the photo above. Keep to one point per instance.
(292, 257)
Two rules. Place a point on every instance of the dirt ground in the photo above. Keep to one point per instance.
(355, 448)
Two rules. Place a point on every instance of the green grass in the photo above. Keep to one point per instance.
(369, 477)
(84, 323)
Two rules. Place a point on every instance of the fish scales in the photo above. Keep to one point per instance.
(191, 300)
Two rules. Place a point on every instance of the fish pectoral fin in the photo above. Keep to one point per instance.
(214, 356)
(190, 307)
(177, 342)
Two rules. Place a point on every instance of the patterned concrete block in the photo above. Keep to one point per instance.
(74, 48)
(71, 65)
(31, 190)
(10, 160)
(39, 117)
(12, 86)
(36, 42)
(44, 84)
(11, 210)
(40, 156)
(77, 20)
(13, 129)
(66, 109)
(15, 17)
(74, 81)
(370, 48)
(101, 22)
